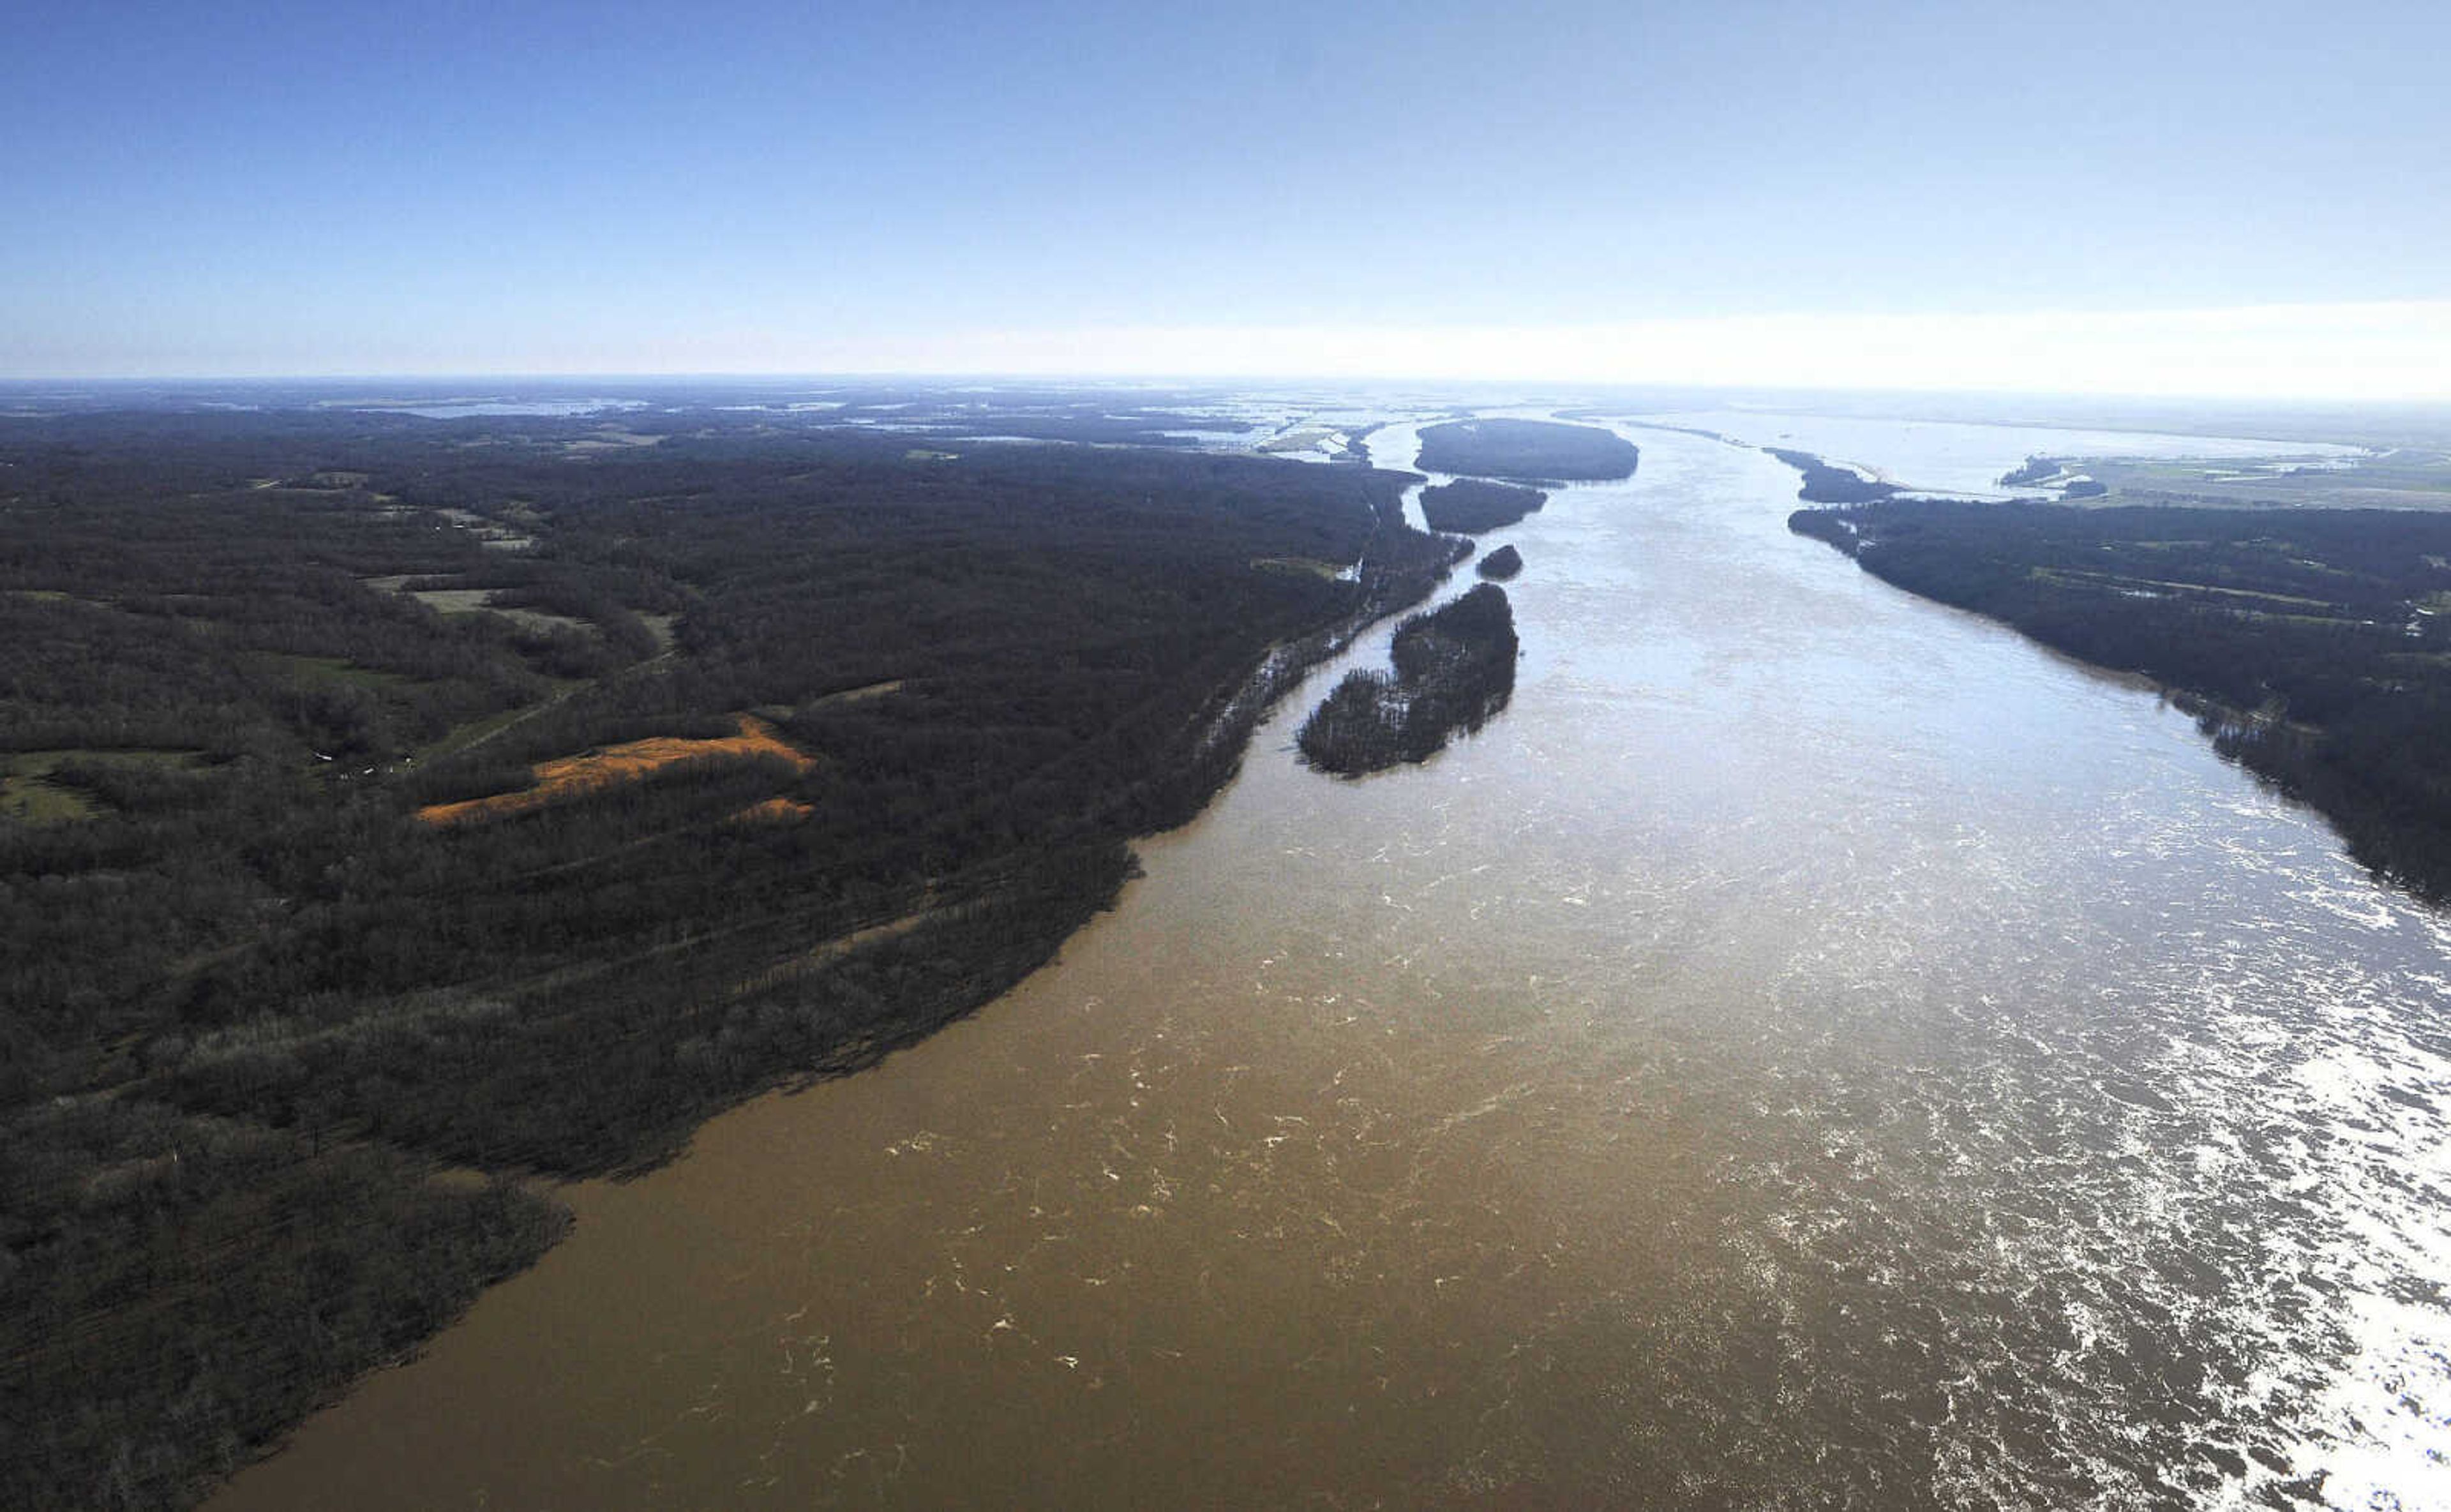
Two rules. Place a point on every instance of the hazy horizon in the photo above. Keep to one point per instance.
(2203, 200)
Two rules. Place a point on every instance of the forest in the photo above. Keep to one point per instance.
(1471, 505)
(1527, 451)
(2312, 644)
(1500, 564)
(1454, 670)
(871, 726)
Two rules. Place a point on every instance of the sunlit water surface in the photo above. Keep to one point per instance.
(1955, 457)
(1813, 1050)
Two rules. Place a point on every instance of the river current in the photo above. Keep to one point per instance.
(1815, 1049)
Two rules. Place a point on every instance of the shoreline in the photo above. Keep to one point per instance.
(2307, 762)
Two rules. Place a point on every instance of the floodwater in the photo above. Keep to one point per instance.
(1813, 1050)
(1955, 457)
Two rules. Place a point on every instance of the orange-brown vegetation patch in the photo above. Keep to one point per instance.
(773, 811)
(556, 780)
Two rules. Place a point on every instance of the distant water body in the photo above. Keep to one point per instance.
(471, 409)
(1814, 1049)
(1954, 457)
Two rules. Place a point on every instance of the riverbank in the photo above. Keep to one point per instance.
(2317, 663)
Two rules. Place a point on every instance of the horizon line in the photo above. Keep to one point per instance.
(2362, 352)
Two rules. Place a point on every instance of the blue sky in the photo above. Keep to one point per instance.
(449, 188)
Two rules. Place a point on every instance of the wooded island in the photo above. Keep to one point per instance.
(1471, 505)
(1454, 670)
(1527, 450)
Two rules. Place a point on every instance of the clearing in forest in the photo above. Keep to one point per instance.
(570, 776)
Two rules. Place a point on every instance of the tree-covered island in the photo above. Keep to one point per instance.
(1500, 564)
(1471, 505)
(1454, 670)
(1527, 450)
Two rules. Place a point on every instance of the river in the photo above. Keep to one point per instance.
(1815, 1049)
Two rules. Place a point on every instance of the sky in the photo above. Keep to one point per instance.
(2178, 197)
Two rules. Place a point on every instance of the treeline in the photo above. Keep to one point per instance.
(1824, 484)
(1002, 666)
(2308, 640)
(1454, 670)
(1472, 504)
(1528, 450)
(1500, 564)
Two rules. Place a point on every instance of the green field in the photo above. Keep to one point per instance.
(2401, 479)
(32, 793)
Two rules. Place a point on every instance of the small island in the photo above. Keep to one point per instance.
(1502, 563)
(1455, 669)
(1528, 450)
(1472, 506)
(1826, 484)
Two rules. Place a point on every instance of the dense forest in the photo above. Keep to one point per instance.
(1527, 450)
(1454, 670)
(874, 724)
(1500, 564)
(2313, 643)
(1472, 506)
(1824, 484)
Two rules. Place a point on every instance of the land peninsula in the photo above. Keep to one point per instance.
(1828, 484)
